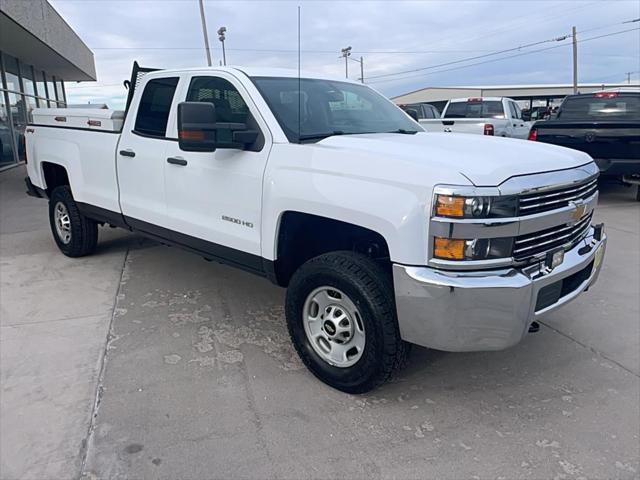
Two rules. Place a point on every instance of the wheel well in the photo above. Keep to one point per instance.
(54, 176)
(303, 236)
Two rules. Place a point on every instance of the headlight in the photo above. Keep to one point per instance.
(474, 249)
(475, 207)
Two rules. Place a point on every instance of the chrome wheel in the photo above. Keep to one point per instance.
(62, 222)
(334, 326)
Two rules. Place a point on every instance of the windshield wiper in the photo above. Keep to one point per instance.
(403, 131)
(315, 136)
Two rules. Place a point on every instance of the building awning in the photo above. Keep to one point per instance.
(36, 34)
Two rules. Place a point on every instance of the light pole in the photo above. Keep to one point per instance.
(221, 37)
(204, 31)
(346, 53)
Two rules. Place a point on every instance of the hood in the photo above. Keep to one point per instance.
(484, 160)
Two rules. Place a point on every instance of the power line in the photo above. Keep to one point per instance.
(504, 58)
(557, 39)
(277, 50)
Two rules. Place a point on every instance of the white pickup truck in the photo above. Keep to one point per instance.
(497, 116)
(384, 235)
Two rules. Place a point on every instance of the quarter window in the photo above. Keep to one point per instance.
(155, 105)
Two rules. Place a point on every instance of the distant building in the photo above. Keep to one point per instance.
(527, 95)
(38, 53)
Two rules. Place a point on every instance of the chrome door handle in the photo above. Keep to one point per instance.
(177, 161)
(127, 153)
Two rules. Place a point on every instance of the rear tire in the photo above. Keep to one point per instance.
(363, 290)
(75, 234)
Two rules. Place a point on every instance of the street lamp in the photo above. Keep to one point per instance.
(346, 53)
(221, 37)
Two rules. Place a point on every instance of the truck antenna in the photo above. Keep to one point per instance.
(299, 81)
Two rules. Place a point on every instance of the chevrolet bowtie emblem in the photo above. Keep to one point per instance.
(578, 210)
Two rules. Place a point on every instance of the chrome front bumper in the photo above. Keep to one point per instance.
(486, 310)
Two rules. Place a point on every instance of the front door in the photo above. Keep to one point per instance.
(216, 197)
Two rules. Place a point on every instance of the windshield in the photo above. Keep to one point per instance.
(327, 107)
(601, 107)
(475, 109)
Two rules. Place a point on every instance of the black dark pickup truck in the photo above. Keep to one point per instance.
(606, 125)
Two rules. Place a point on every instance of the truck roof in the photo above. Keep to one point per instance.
(256, 72)
(478, 99)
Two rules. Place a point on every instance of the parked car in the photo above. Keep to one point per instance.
(606, 125)
(384, 235)
(497, 116)
(420, 111)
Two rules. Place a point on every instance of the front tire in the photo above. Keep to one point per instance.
(75, 234)
(341, 317)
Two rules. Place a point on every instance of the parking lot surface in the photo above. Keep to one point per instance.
(145, 361)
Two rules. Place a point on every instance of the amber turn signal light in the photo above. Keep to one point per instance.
(449, 206)
(448, 248)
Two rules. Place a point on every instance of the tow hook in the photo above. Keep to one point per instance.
(534, 327)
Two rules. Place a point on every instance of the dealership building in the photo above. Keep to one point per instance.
(38, 53)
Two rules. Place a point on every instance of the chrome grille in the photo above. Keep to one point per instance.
(527, 246)
(557, 198)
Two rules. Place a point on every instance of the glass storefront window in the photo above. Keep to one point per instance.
(30, 105)
(19, 112)
(59, 90)
(27, 79)
(11, 72)
(51, 89)
(6, 142)
(42, 92)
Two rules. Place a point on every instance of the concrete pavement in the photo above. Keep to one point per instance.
(54, 317)
(200, 381)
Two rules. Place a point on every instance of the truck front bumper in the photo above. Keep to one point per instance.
(489, 310)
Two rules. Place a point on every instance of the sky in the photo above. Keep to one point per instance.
(434, 41)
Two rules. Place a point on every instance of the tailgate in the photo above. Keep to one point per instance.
(467, 125)
(610, 140)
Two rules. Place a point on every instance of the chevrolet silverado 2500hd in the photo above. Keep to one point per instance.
(496, 116)
(383, 234)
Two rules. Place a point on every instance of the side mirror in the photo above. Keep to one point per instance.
(526, 116)
(413, 113)
(197, 126)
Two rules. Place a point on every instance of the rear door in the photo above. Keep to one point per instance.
(141, 154)
(214, 199)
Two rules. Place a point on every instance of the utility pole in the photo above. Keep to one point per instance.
(361, 62)
(346, 53)
(221, 37)
(629, 77)
(575, 60)
(204, 31)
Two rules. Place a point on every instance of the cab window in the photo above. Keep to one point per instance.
(154, 108)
